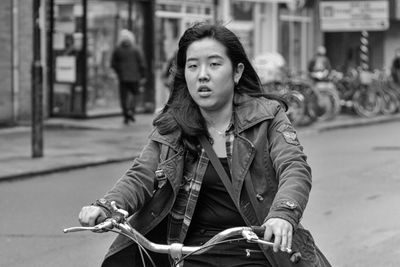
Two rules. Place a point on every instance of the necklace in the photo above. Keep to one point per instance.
(222, 133)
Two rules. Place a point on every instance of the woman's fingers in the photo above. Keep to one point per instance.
(282, 232)
(89, 214)
(277, 239)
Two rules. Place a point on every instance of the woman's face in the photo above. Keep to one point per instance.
(209, 75)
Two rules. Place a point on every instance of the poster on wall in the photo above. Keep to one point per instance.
(58, 41)
(65, 69)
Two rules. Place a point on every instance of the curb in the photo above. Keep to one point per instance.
(359, 122)
(70, 167)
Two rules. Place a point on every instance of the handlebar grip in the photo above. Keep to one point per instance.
(258, 230)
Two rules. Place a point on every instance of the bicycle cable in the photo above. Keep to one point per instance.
(140, 247)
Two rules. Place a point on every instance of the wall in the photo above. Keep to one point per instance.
(6, 104)
(25, 60)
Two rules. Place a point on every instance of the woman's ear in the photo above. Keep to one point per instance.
(237, 74)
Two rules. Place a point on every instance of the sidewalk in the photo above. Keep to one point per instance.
(77, 143)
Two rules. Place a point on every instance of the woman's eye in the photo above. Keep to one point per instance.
(214, 64)
(191, 66)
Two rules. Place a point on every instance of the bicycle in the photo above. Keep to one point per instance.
(177, 251)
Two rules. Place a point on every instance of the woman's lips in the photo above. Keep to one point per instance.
(204, 91)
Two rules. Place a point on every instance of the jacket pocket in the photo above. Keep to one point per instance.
(305, 252)
(303, 243)
(309, 254)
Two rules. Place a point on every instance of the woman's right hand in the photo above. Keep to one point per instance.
(91, 215)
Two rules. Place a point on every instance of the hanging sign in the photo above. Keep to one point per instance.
(347, 16)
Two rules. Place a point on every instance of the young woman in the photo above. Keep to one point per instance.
(174, 192)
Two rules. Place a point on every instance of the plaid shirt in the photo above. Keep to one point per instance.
(184, 206)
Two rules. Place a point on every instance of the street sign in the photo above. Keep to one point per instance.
(348, 16)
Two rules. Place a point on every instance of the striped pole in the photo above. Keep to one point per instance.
(364, 53)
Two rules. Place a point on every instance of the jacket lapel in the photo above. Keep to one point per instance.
(242, 157)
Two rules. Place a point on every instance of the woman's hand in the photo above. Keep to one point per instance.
(91, 215)
(282, 231)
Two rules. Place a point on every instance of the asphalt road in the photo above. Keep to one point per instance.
(353, 210)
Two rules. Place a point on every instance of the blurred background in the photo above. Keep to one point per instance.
(66, 45)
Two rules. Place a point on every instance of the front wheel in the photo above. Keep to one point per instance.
(389, 103)
(329, 104)
(366, 102)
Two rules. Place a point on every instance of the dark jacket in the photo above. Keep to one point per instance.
(128, 62)
(319, 63)
(272, 177)
(395, 70)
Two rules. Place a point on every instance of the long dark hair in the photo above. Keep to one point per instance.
(181, 113)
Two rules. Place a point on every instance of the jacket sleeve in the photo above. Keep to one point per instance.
(292, 170)
(136, 186)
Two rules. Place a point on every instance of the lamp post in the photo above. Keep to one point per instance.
(37, 86)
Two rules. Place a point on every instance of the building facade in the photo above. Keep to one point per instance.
(15, 61)
(78, 36)
(343, 24)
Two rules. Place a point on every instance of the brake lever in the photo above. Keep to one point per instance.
(104, 226)
(250, 236)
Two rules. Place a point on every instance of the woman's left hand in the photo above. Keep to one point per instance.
(282, 231)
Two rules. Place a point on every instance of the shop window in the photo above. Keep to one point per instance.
(242, 10)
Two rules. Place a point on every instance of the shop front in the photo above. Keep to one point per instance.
(81, 37)
(359, 33)
(275, 26)
(172, 18)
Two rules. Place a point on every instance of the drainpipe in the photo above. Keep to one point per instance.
(15, 61)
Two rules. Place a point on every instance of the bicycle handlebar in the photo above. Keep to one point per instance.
(175, 250)
(251, 234)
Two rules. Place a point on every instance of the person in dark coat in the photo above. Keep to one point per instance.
(319, 64)
(395, 69)
(128, 63)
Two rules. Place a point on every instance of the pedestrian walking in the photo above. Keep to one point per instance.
(128, 63)
(221, 155)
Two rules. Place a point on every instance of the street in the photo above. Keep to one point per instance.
(353, 211)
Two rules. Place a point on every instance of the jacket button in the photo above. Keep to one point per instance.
(259, 197)
(290, 204)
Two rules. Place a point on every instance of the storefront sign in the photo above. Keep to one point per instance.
(346, 16)
(66, 69)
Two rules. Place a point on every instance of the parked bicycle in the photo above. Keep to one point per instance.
(327, 94)
(390, 99)
(296, 101)
(357, 94)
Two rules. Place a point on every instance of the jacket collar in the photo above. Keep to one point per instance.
(171, 139)
(250, 110)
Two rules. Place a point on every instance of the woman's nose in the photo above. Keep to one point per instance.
(203, 74)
